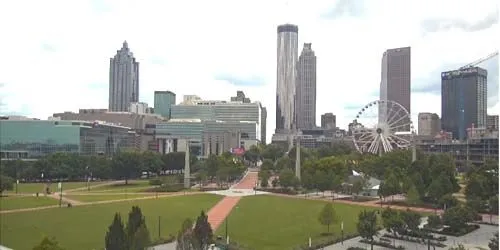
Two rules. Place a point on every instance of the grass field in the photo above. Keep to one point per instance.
(271, 223)
(132, 186)
(105, 197)
(84, 227)
(40, 187)
(17, 202)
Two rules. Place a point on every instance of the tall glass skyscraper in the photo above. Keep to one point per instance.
(463, 100)
(286, 75)
(123, 80)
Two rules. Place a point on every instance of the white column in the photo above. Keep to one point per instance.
(187, 174)
(297, 158)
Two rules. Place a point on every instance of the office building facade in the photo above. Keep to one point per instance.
(492, 122)
(395, 83)
(429, 124)
(33, 139)
(328, 121)
(287, 53)
(163, 102)
(306, 89)
(123, 80)
(463, 100)
(240, 97)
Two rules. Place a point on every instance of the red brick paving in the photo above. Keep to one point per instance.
(248, 182)
(221, 210)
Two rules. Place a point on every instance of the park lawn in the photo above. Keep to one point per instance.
(84, 227)
(132, 186)
(105, 197)
(40, 187)
(270, 223)
(17, 202)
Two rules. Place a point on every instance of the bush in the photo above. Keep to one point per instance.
(382, 244)
(161, 241)
(168, 188)
(459, 231)
(423, 234)
(414, 239)
(321, 243)
(434, 221)
(355, 248)
(279, 190)
(155, 182)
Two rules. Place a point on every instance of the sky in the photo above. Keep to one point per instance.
(55, 53)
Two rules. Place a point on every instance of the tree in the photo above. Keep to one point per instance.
(126, 165)
(434, 221)
(151, 162)
(275, 182)
(359, 184)
(137, 233)
(185, 238)
(141, 238)
(6, 183)
(392, 221)
(458, 247)
(411, 219)
(493, 244)
(448, 200)
(203, 231)
(48, 244)
(493, 206)
(413, 197)
(115, 238)
(327, 216)
(287, 178)
(367, 225)
(456, 217)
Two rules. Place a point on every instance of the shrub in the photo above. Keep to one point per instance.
(155, 182)
(434, 221)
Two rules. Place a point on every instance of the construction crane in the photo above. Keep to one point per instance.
(472, 64)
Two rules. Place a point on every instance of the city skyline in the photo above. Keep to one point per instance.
(349, 38)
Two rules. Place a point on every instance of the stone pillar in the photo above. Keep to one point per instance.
(413, 149)
(187, 170)
(297, 158)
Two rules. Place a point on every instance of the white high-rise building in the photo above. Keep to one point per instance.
(123, 80)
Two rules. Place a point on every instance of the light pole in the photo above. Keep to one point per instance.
(342, 232)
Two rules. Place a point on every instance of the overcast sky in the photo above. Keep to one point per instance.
(55, 54)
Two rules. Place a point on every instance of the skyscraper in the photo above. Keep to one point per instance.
(306, 89)
(463, 100)
(123, 80)
(328, 121)
(395, 82)
(163, 101)
(286, 75)
(429, 124)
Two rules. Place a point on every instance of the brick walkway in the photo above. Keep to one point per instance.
(221, 210)
(248, 182)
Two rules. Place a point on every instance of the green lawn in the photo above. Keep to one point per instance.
(269, 222)
(105, 197)
(40, 187)
(17, 202)
(84, 227)
(132, 186)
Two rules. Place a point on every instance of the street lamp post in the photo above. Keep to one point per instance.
(342, 232)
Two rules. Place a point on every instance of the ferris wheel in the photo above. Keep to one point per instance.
(382, 126)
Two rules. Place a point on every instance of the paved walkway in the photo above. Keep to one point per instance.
(221, 210)
(244, 187)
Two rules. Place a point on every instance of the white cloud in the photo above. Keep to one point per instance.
(55, 55)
